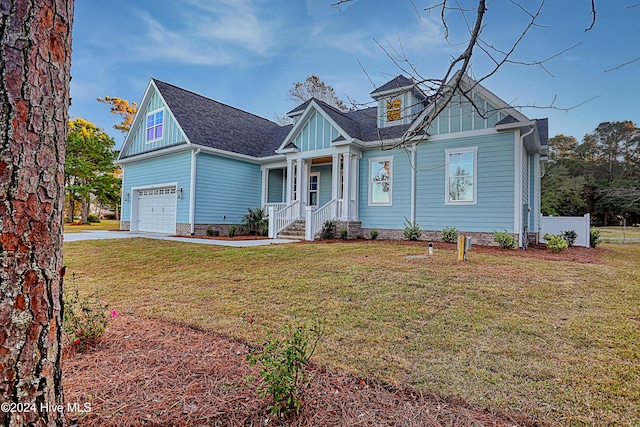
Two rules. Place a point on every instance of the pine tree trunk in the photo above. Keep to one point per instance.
(35, 53)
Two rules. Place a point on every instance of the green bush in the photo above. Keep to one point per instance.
(232, 230)
(84, 319)
(93, 219)
(344, 234)
(449, 235)
(254, 220)
(411, 231)
(328, 230)
(505, 239)
(570, 236)
(373, 234)
(556, 242)
(284, 361)
(594, 237)
(209, 231)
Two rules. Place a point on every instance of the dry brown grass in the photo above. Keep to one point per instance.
(553, 340)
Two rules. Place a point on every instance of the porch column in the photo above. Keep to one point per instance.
(265, 186)
(335, 183)
(299, 185)
(290, 175)
(346, 189)
(355, 178)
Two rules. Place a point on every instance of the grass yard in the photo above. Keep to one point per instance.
(105, 224)
(619, 232)
(557, 341)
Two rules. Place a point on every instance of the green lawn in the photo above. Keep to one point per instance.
(105, 224)
(619, 232)
(557, 341)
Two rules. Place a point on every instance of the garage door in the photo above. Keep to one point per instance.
(157, 210)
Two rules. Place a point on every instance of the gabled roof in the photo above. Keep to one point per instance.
(212, 124)
(399, 82)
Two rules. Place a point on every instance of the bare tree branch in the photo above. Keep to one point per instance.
(622, 65)
(593, 14)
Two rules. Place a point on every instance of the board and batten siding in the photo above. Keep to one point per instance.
(461, 116)
(392, 216)
(159, 170)
(225, 188)
(316, 134)
(171, 133)
(495, 185)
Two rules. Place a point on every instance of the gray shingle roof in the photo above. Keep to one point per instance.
(397, 83)
(213, 124)
(543, 131)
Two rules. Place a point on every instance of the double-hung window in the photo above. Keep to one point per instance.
(380, 182)
(155, 123)
(461, 181)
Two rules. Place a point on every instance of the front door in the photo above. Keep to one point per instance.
(314, 188)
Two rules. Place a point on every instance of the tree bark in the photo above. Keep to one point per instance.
(35, 54)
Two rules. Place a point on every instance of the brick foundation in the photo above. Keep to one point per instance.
(183, 229)
(222, 229)
(125, 225)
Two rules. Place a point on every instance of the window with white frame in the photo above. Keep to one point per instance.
(155, 124)
(380, 182)
(461, 185)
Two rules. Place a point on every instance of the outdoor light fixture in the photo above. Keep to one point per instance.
(126, 197)
(180, 193)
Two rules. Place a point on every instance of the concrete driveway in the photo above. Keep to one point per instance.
(103, 234)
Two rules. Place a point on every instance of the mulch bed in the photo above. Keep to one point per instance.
(153, 373)
(240, 237)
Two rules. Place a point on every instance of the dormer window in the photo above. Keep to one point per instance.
(394, 108)
(155, 121)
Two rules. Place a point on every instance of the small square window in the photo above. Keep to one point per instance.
(394, 108)
(155, 121)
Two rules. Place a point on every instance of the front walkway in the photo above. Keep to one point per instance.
(103, 234)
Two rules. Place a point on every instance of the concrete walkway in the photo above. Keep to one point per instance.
(103, 234)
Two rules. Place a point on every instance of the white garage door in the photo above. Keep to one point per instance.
(157, 210)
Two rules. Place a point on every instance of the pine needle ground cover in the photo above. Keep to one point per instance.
(553, 340)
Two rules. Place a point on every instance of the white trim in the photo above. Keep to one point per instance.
(265, 186)
(192, 191)
(447, 153)
(174, 149)
(380, 159)
(309, 188)
(133, 217)
(146, 128)
(412, 165)
(517, 183)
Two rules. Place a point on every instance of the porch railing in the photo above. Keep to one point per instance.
(322, 214)
(278, 206)
(281, 219)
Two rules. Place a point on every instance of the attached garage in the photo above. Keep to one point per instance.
(156, 210)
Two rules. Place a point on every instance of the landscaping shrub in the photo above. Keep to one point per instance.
(505, 239)
(232, 230)
(594, 237)
(411, 231)
(210, 231)
(84, 319)
(373, 234)
(449, 235)
(344, 234)
(284, 361)
(556, 242)
(93, 219)
(570, 236)
(328, 230)
(254, 220)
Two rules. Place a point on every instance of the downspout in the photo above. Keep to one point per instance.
(519, 205)
(192, 191)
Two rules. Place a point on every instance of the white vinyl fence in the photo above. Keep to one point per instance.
(560, 224)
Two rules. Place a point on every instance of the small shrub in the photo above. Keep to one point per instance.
(328, 230)
(254, 220)
(265, 231)
(373, 234)
(210, 231)
(232, 230)
(284, 361)
(505, 239)
(594, 237)
(556, 242)
(84, 319)
(344, 234)
(93, 219)
(570, 236)
(411, 231)
(449, 235)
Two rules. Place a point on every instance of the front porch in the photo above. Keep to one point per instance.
(311, 190)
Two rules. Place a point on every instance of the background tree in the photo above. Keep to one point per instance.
(127, 111)
(313, 87)
(35, 53)
(89, 166)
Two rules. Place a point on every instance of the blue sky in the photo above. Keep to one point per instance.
(248, 53)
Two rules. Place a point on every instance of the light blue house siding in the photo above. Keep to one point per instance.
(275, 189)
(159, 170)
(225, 188)
(460, 116)
(495, 185)
(316, 134)
(324, 185)
(525, 189)
(533, 203)
(392, 216)
(171, 133)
